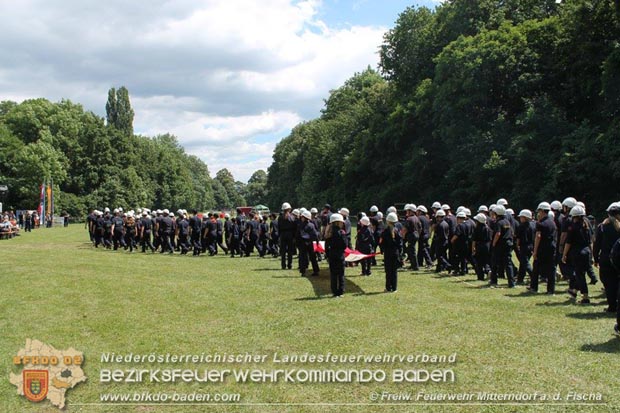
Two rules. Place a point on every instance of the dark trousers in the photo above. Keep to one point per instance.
(119, 240)
(366, 266)
(146, 241)
(183, 243)
(524, 263)
(286, 251)
(307, 257)
(336, 272)
(411, 253)
(390, 262)
(166, 244)
(544, 267)
(130, 240)
(459, 256)
(441, 253)
(503, 256)
(424, 255)
(610, 278)
(483, 256)
(196, 243)
(581, 262)
(274, 246)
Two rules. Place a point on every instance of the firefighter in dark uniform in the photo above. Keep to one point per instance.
(211, 234)
(99, 229)
(263, 235)
(459, 244)
(413, 228)
(391, 241)
(365, 243)
(90, 222)
(242, 218)
(335, 244)
(481, 246)
(525, 235)
(607, 233)
(578, 248)
(545, 250)
(503, 245)
(118, 230)
(157, 229)
(195, 232)
(441, 240)
(347, 225)
(372, 215)
(183, 234)
(424, 256)
(204, 229)
(146, 229)
(228, 223)
(274, 235)
(130, 232)
(287, 227)
(566, 268)
(451, 221)
(308, 236)
(166, 228)
(234, 238)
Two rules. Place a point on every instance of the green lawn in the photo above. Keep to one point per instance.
(60, 290)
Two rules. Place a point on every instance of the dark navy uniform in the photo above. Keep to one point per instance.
(424, 256)
(183, 235)
(391, 242)
(119, 232)
(482, 238)
(441, 241)
(130, 233)
(544, 262)
(263, 237)
(308, 236)
(99, 231)
(503, 252)
(580, 239)
(604, 239)
(166, 228)
(195, 229)
(526, 232)
(414, 228)
(287, 228)
(365, 244)
(459, 248)
(146, 229)
(235, 235)
(334, 250)
(274, 237)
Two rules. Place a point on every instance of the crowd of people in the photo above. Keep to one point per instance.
(557, 240)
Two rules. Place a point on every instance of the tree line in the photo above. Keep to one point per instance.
(473, 100)
(96, 162)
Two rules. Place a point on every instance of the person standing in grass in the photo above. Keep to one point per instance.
(365, 243)
(578, 243)
(607, 233)
(335, 244)
(390, 241)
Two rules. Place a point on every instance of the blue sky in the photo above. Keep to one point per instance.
(228, 78)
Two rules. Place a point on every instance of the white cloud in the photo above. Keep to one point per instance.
(230, 76)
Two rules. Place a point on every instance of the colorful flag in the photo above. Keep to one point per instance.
(49, 200)
(350, 255)
(41, 209)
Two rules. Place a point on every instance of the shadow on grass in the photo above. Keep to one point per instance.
(591, 316)
(321, 285)
(611, 346)
(568, 301)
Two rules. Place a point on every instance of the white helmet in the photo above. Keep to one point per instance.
(460, 209)
(440, 213)
(483, 208)
(391, 209)
(159, 211)
(139, 210)
(179, 212)
(551, 214)
(556, 205)
(410, 207)
(286, 206)
(423, 209)
(492, 207)
(106, 209)
(392, 217)
(171, 214)
(481, 218)
(226, 215)
(365, 221)
(569, 202)
(581, 204)
(314, 211)
(144, 213)
(436, 205)
(510, 211)
(306, 214)
(577, 211)
(116, 211)
(120, 209)
(296, 212)
(500, 210)
(302, 210)
(379, 215)
(614, 208)
(335, 218)
(165, 211)
(344, 211)
(445, 207)
(543, 206)
(374, 208)
(502, 202)
(467, 212)
(461, 214)
(526, 213)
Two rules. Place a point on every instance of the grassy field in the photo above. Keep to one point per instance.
(58, 289)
